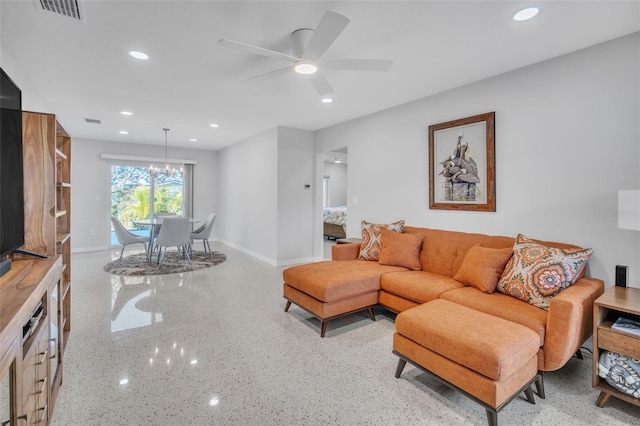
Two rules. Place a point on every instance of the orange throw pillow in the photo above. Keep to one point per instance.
(482, 267)
(398, 249)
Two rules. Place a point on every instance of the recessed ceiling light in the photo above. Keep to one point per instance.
(305, 68)
(327, 100)
(525, 14)
(193, 140)
(124, 132)
(214, 125)
(126, 113)
(138, 55)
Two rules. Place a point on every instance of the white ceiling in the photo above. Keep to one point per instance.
(82, 69)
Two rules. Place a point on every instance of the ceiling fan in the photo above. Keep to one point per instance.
(308, 47)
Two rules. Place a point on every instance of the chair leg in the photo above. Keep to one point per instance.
(186, 250)
(121, 253)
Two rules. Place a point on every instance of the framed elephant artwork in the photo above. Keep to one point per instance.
(462, 164)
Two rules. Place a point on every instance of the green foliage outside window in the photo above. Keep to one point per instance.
(130, 194)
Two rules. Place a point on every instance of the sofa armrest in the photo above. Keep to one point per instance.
(345, 251)
(570, 321)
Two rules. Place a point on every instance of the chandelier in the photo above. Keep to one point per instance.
(166, 170)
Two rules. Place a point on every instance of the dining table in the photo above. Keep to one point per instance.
(156, 223)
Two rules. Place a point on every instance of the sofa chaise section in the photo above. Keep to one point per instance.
(331, 289)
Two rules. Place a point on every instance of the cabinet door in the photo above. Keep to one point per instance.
(35, 378)
(8, 414)
(54, 332)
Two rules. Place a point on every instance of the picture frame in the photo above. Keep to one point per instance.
(462, 164)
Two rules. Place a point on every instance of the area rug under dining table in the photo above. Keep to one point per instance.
(173, 263)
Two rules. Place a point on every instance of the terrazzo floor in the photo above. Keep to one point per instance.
(215, 347)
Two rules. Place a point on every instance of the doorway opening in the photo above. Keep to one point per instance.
(334, 198)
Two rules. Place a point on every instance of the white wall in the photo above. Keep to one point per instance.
(265, 209)
(295, 201)
(567, 138)
(91, 177)
(248, 196)
(337, 183)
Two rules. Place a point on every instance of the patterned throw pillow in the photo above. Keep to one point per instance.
(536, 273)
(371, 236)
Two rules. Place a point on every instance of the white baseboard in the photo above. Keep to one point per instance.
(87, 249)
(248, 252)
(297, 261)
(234, 246)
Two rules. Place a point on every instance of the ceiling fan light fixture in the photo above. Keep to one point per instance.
(305, 68)
(525, 14)
(139, 55)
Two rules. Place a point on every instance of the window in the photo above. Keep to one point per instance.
(137, 193)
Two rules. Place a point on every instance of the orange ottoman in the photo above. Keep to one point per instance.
(334, 288)
(489, 359)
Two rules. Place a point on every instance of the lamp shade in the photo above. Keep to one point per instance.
(629, 209)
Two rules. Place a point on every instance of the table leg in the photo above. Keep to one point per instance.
(151, 243)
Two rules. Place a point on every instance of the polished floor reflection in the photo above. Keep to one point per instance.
(215, 347)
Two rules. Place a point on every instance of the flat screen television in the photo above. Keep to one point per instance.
(11, 173)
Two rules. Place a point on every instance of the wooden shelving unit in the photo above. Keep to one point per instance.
(615, 302)
(47, 186)
(63, 227)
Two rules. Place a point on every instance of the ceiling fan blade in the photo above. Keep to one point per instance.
(327, 31)
(357, 64)
(321, 84)
(256, 50)
(271, 74)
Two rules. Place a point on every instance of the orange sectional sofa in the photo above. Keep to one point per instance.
(345, 284)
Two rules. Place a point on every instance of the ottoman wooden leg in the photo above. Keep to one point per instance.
(492, 417)
(401, 364)
(286, 308)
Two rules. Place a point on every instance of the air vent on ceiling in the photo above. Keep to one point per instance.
(92, 120)
(67, 8)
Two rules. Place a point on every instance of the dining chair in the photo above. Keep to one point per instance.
(127, 238)
(156, 228)
(174, 232)
(204, 233)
